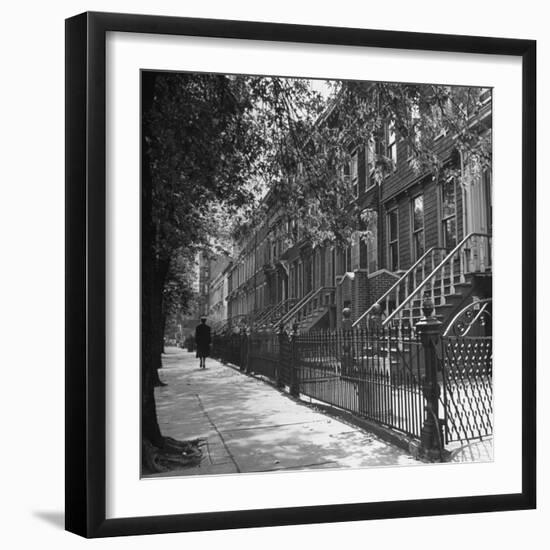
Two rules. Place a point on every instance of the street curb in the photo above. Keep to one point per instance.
(407, 443)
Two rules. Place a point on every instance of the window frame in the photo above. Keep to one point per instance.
(354, 174)
(414, 231)
(383, 146)
(391, 146)
(444, 219)
(390, 242)
(370, 149)
(414, 115)
(372, 246)
(347, 257)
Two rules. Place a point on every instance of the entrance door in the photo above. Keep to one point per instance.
(479, 215)
(479, 204)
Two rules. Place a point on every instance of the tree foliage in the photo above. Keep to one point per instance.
(214, 142)
(314, 184)
(205, 156)
(217, 143)
(179, 295)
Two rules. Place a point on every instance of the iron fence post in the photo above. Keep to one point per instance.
(347, 359)
(294, 380)
(243, 341)
(281, 335)
(429, 329)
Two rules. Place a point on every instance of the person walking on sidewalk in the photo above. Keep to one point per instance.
(202, 341)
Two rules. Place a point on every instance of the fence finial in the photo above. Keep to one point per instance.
(427, 306)
(346, 319)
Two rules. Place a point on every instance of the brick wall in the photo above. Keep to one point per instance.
(361, 292)
(379, 283)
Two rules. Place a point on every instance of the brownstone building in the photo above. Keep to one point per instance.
(428, 236)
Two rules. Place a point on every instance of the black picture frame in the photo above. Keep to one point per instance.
(86, 273)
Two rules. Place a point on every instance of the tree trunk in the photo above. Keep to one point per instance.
(158, 453)
(163, 326)
(160, 273)
(149, 376)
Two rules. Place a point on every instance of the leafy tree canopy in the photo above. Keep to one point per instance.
(315, 187)
(218, 143)
(212, 143)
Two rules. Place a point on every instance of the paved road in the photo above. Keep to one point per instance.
(252, 427)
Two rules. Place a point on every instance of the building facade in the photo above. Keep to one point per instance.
(425, 234)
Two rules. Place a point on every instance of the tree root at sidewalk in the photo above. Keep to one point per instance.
(172, 455)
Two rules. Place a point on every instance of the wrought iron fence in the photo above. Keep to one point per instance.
(467, 385)
(263, 354)
(228, 348)
(376, 373)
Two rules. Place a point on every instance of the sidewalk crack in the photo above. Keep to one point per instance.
(219, 434)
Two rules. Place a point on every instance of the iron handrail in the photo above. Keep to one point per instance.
(485, 302)
(262, 314)
(291, 312)
(441, 265)
(309, 297)
(397, 283)
(276, 310)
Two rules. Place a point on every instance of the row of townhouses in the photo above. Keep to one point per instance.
(428, 237)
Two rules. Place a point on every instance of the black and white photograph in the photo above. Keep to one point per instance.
(273, 275)
(316, 274)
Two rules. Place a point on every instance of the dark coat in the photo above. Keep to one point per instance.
(203, 340)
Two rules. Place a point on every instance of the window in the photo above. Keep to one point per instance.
(417, 226)
(370, 152)
(393, 240)
(414, 122)
(386, 144)
(343, 259)
(372, 241)
(391, 143)
(448, 213)
(354, 174)
(347, 256)
(329, 266)
(351, 173)
(355, 251)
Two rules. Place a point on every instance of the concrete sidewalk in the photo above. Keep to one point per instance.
(473, 451)
(250, 426)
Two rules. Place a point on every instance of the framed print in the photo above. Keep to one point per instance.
(294, 254)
